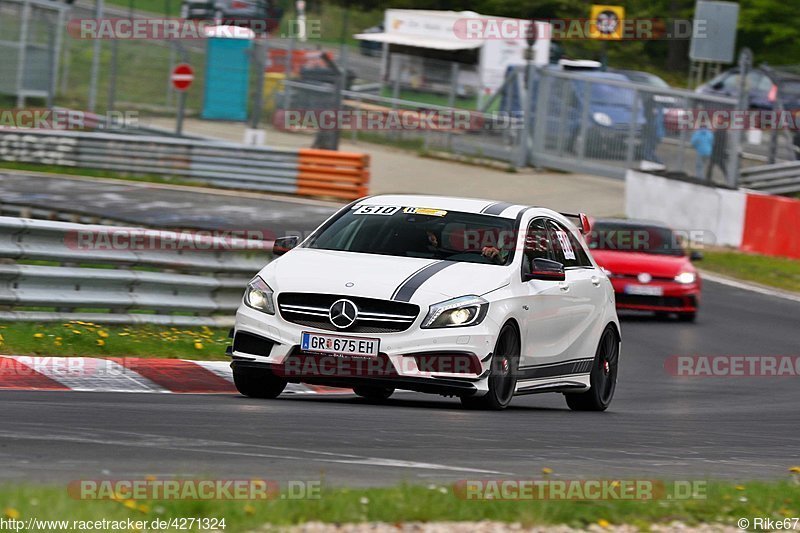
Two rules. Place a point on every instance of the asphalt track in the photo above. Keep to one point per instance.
(145, 204)
(659, 426)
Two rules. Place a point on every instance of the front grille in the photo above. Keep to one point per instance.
(655, 301)
(374, 316)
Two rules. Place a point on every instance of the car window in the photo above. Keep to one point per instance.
(580, 254)
(537, 245)
(564, 247)
(731, 83)
(409, 231)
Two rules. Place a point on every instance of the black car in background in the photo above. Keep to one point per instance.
(766, 87)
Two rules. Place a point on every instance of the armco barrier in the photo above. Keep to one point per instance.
(125, 275)
(304, 172)
(771, 225)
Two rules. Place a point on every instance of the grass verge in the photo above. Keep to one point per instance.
(724, 503)
(778, 272)
(78, 338)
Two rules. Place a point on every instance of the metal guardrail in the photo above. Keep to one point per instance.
(220, 164)
(779, 178)
(54, 271)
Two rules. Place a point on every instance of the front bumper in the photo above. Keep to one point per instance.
(675, 297)
(441, 361)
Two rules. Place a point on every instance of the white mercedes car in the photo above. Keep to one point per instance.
(460, 297)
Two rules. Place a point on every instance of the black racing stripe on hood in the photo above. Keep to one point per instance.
(496, 208)
(406, 290)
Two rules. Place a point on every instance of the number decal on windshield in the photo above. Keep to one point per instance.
(376, 210)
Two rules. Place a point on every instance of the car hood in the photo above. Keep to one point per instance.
(634, 263)
(379, 276)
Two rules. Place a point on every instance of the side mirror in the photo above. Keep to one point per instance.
(546, 270)
(284, 244)
(694, 255)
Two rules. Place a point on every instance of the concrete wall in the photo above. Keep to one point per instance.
(718, 213)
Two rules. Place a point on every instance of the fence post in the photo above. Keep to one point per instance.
(745, 63)
(95, 72)
(527, 114)
(630, 149)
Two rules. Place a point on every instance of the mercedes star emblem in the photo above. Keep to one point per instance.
(343, 313)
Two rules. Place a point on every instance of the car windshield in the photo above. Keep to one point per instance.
(635, 238)
(612, 95)
(420, 232)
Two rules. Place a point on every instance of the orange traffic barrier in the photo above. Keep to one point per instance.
(343, 175)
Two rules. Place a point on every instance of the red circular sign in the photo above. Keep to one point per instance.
(182, 76)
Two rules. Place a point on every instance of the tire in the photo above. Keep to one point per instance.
(374, 393)
(503, 375)
(687, 317)
(257, 383)
(603, 377)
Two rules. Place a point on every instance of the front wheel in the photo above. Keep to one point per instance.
(503, 375)
(603, 377)
(257, 382)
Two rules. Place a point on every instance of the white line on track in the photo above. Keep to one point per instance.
(776, 293)
(215, 447)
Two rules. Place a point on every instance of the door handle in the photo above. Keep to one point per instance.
(595, 281)
(564, 286)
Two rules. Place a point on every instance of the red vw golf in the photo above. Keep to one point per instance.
(648, 267)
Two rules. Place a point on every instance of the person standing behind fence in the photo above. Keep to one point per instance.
(702, 142)
(719, 154)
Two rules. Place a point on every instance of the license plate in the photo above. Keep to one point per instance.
(644, 290)
(335, 344)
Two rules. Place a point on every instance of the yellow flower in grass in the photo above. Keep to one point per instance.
(130, 504)
(101, 333)
(249, 509)
(38, 335)
(739, 487)
(101, 342)
(123, 334)
(143, 508)
(198, 345)
(11, 513)
(604, 523)
(793, 470)
(547, 471)
(77, 332)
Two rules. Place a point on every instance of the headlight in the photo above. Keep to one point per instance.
(458, 312)
(686, 277)
(603, 119)
(259, 296)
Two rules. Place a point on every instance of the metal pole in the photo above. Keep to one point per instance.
(112, 76)
(527, 113)
(181, 108)
(23, 49)
(745, 63)
(95, 72)
(259, 60)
